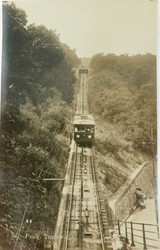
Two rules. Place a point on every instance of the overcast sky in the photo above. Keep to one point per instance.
(93, 26)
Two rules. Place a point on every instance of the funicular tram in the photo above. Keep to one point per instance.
(84, 129)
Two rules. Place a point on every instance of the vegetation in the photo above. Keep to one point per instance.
(126, 94)
(37, 88)
(123, 99)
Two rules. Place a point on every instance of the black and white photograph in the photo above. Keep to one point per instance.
(78, 149)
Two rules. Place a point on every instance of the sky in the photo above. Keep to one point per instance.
(96, 26)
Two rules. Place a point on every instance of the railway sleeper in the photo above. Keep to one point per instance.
(101, 203)
(109, 247)
(103, 212)
(106, 230)
(104, 217)
(108, 244)
(102, 208)
(107, 238)
(105, 226)
(108, 241)
(105, 223)
(107, 234)
(101, 197)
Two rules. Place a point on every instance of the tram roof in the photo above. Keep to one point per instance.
(80, 119)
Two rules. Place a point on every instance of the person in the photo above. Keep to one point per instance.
(140, 197)
(76, 129)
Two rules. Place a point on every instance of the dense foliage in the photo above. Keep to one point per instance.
(37, 84)
(123, 100)
(125, 95)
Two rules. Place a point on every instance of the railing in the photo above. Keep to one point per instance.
(135, 233)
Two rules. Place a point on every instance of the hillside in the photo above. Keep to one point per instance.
(37, 92)
(122, 98)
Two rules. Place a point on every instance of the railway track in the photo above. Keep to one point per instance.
(84, 93)
(82, 101)
(85, 223)
(83, 227)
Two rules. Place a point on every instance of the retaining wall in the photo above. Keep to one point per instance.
(121, 203)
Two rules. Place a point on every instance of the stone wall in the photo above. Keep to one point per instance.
(123, 201)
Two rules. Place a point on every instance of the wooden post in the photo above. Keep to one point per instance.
(126, 239)
(132, 236)
(119, 228)
(144, 237)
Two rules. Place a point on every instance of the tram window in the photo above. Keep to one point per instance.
(92, 130)
(87, 129)
(77, 129)
(84, 129)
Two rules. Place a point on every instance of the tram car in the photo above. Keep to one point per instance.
(84, 129)
(83, 71)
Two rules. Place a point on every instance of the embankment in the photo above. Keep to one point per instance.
(123, 201)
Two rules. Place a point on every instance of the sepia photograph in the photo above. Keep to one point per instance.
(78, 149)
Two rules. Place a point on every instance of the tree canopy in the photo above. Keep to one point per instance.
(126, 94)
(37, 89)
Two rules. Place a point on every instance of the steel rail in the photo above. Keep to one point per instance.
(71, 201)
(82, 95)
(97, 198)
(80, 206)
(86, 96)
